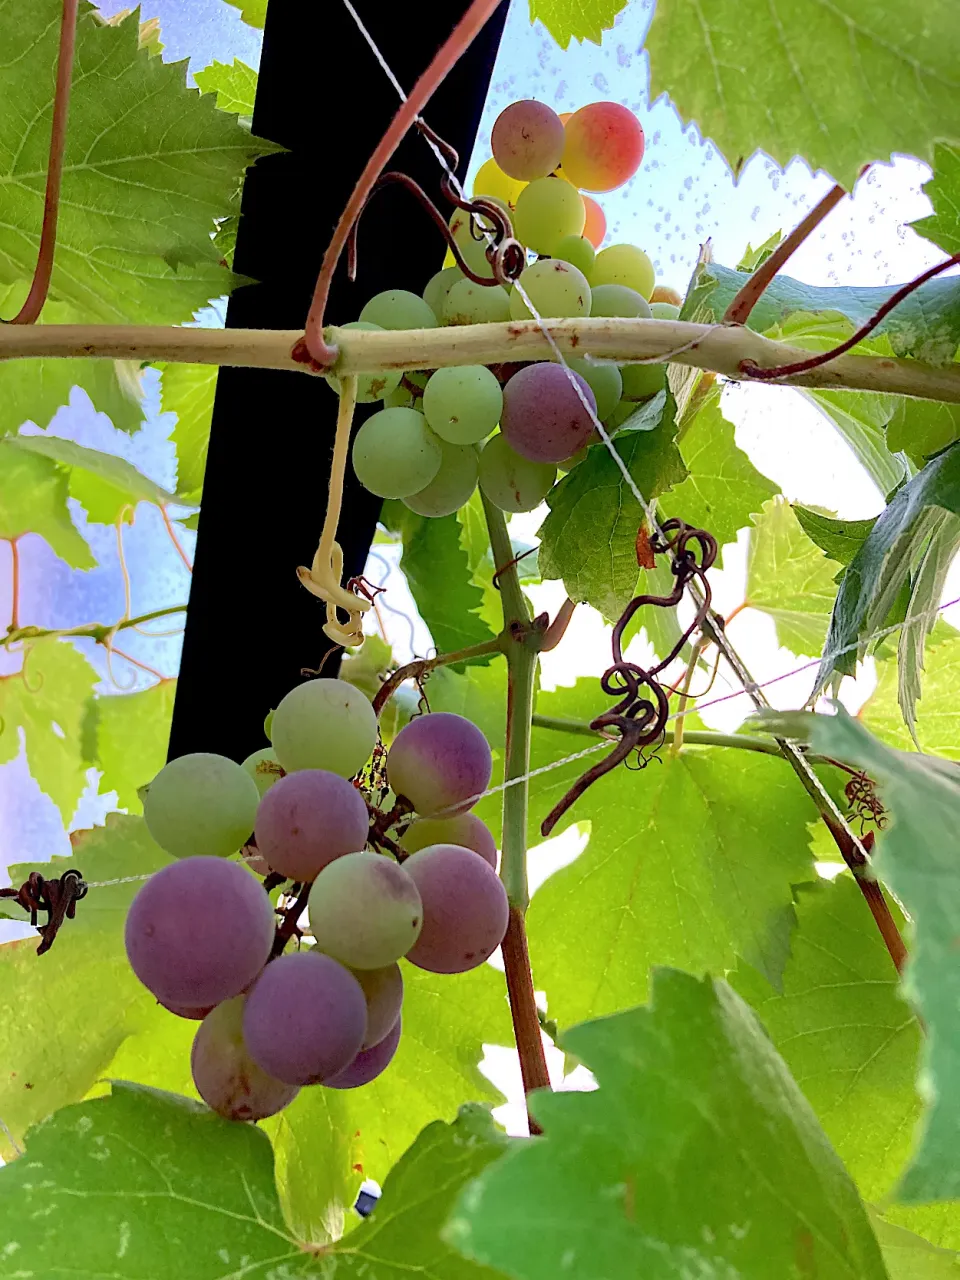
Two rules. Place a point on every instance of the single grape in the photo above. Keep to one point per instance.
(462, 404)
(664, 311)
(604, 146)
(440, 762)
(662, 293)
(227, 1078)
(543, 419)
(578, 251)
(547, 210)
(395, 453)
(191, 1012)
(324, 724)
(510, 482)
(595, 227)
(383, 991)
(617, 300)
(492, 181)
(453, 484)
(368, 1064)
(200, 804)
(308, 819)
(365, 911)
(402, 398)
(438, 286)
(305, 1018)
(624, 264)
(465, 909)
(641, 381)
(527, 140)
(199, 931)
(556, 288)
(469, 303)
(370, 386)
(603, 380)
(264, 768)
(474, 247)
(399, 309)
(464, 829)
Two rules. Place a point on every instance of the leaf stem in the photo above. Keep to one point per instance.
(420, 666)
(14, 584)
(99, 631)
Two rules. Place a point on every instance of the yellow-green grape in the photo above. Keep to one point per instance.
(474, 249)
(510, 482)
(604, 381)
(641, 381)
(462, 404)
(556, 288)
(624, 264)
(664, 311)
(453, 484)
(438, 286)
(395, 453)
(492, 181)
(617, 300)
(469, 303)
(399, 309)
(264, 768)
(401, 398)
(547, 210)
(579, 251)
(370, 386)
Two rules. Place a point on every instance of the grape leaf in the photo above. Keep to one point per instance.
(909, 1257)
(943, 192)
(789, 579)
(690, 878)
(860, 418)
(132, 731)
(839, 540)
(917, 859)
(235, 85)
(33, 499)
(188, 391)
(938, 721)
(253, 12)
(568, 20)
(926, 592)
(589, 538)
(840, 84)
(697, 1156)
(149, 165)
(46, 700)
(922, 428)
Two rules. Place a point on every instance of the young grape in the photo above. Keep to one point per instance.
(556, 288)
(595, 227)
(547, 210)
(578, 251)
(462, 404)
(368, 1064)
(309, 819)
(511, 482)
(401, 398)
(527, 140)
(324, 724)
(383, 990)
(227, 1078)
(399, 309)
(641, 381)
(469, 303)
(199, 931)
(603, 380)
(370, 386)
(491, 181)
(438, 286)
(264, 768)
(465, 829)
(604, 146)
(200, 804)
(440, 762)
(305, 1018)
(453, 484)
(543, 419)
(624, 264)
(617, 300)
(465, 909)
(395, 453)
(365, 911)
(664, 311)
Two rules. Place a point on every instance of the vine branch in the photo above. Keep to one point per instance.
(419, 667)
(99, 631)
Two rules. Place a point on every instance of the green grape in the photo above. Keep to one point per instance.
(556, 288)
(664, 311)
(401, 398)
(619, 416)
(510, 482)
(395, 453)
(365, 910)
(578, 251)
(641, 381)
(200, 804)
(469, 303)
(547, 210)
(474, 249)
(624, 264)
(462, 404)
(324, 724)
(370, 386)
(399, 309)
(604, 381)
(453, 484)
(617, 300)
(438, 286)
(264, 768)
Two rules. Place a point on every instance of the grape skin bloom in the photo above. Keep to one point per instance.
(324, 724)
(465, 909)
(543, 419)
(440, 762)
(308, 820)
(365, 910)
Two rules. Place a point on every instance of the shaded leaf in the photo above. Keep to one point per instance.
(188, 391)
(568, 20)
(839, 540)
(235, 85)
(909, 1256)
(943, 192)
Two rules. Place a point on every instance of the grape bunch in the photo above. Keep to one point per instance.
(414, 878)
(443, 432)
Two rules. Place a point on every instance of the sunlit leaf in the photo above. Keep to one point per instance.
(568, 20)
(234, 83)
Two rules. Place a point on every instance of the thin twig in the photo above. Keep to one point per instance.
(99, 631)
(172, 534)
(419, 667)
(151, 671)
(558, 627)
(14, 583)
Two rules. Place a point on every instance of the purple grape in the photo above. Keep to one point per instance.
(543, 418)
(227, 1078)
(465, 909)
(307, 819)
(365, 910)
(465, 829)
(527, 140)
(440, 762)
(190, 1012)
(199, 932)
(368, 1064)
(383, 989)
(305, 1018)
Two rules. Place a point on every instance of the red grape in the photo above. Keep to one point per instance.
(227, 1078)
(465, 909)
(527, 140)
(543, 419)
(383, 989)
(440, 762)
(309, 818)
(368, 1064)
(465, 829)
(604, 146)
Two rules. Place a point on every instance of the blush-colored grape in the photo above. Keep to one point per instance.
(604, 146)
(308, 819)
(365, 910)
(465, 909)
(527, 140)
(368, 1064)
(595, 227)
(440, 762)
(543, 418)
(227, 1078)
(465, 829)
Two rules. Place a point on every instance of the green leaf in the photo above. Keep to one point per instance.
(86, 977)
(235, 85)
(51, 689)
(909, 1257)
(839, 540)
(926, 592)
(188, 391)
(917, 859)
(943, 192)
(938, 722)
(589, 538)
(132, 731)
(33, 499)
(149, 165)
(697, 1156)
(860, 418)
(827, 82)
(568, 20)
(922, 428)
(754, 258)
(789, 579)
(105, 486)
(678, 869)
(253, 12)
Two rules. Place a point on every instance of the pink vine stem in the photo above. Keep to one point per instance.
(446, 58)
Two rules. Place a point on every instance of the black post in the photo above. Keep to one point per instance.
(251, 627)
